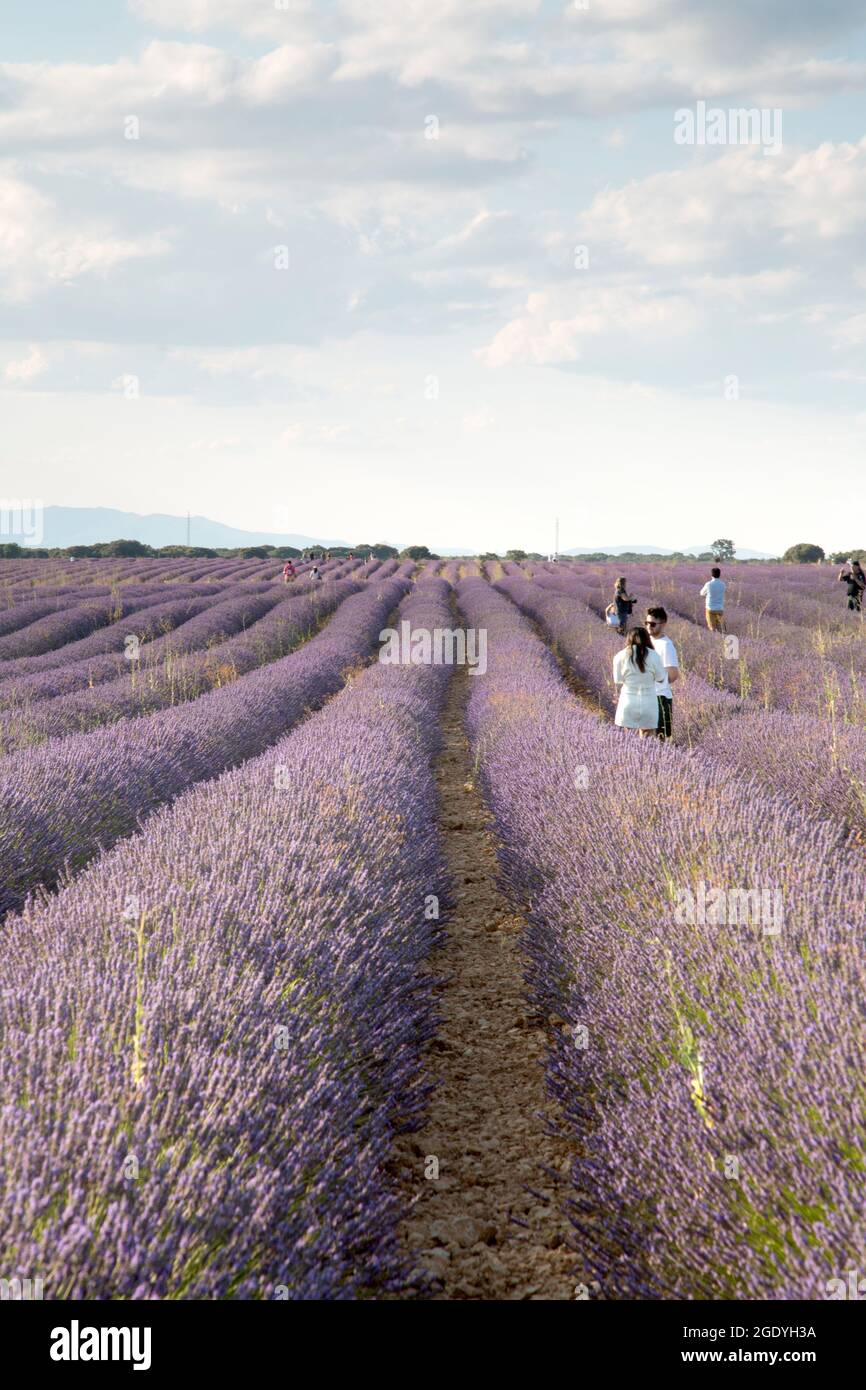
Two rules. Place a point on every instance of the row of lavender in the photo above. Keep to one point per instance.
(210, 1038)
(45, 631)
(811, 659)
(794, 594)
(588, 648)
(700, 943)
(43, 582)
(815, 762)
(186, 667)
(64, 800)
(96, 627)
(159, 633)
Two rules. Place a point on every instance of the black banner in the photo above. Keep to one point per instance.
(63, 1340)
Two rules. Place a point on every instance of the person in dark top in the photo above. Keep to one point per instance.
(852, 575)
(624, 603)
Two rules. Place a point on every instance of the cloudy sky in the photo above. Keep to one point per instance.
(438, 270)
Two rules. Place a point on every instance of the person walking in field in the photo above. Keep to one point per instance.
(714, 594)
(288, 572)
(639, 672)
(656, 621)
(852, 575)
(623, 602)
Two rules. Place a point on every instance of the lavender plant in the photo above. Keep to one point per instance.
(62, 802)
(210, 1037)
(699, 1062)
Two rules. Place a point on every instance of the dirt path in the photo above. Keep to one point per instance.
(478, 1230)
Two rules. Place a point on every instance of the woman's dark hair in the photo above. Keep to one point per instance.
(638, 644)
(620, 583)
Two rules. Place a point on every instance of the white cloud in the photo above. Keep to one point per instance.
(699, 214)
(742, 289)
(216, 444)
(40, 249)
(270, 19)
(545, 333)
(27, 368)
(476, 421)
(301, 434)
(851, 332)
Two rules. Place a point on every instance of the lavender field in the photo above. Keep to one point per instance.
(330, 976)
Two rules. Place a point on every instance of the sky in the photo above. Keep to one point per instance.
(430, 271)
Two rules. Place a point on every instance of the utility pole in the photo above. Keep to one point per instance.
(556, 542)
(187, 530)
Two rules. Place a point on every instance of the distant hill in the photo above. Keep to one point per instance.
(88, 525)
(742, 552)
(65, 526)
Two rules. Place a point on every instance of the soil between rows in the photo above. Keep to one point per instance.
(490, 1226)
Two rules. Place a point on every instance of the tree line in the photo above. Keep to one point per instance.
(721, 550)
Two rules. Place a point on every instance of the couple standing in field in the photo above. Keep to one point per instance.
(645, 670)
(648, 666)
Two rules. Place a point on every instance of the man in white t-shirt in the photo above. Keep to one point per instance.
(655, 622)
(714, 593)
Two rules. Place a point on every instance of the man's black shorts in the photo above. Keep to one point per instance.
(666, 716)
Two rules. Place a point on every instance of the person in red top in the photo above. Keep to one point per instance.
(288, 572)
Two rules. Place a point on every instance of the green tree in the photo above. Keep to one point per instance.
(189, 552)
(380, 550)
(804, 554)
(518, 555)
(489, 555)
(125, 548)
(723, 550)
(415, 552)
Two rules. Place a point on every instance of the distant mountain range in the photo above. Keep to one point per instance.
(742, 552)
(63, 526)
(88, 525)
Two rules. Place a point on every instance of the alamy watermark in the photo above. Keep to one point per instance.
(22, 519)
(444, 646)
(21, 1290)
(852, 1286)
(720, 907)
(77, 1343)
(740, 125)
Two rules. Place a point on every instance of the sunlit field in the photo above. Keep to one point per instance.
(231, 860)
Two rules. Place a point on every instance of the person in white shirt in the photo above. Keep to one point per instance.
(639, 672)
(714, 593)
(656, 621)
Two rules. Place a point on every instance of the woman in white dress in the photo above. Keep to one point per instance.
(639, 672)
